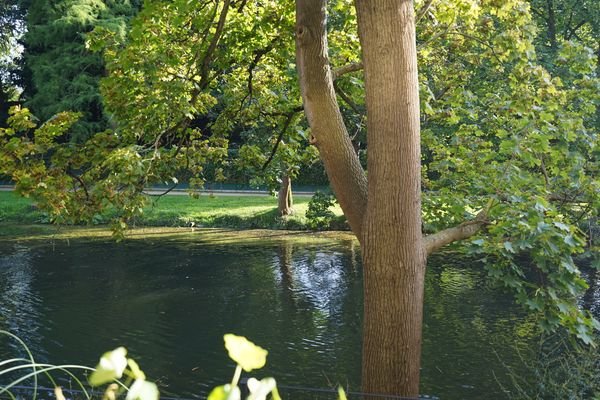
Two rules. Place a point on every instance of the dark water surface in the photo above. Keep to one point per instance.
(170, 302)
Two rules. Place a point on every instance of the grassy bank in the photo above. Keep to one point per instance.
(240, 212)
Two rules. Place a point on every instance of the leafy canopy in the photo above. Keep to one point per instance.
(503, 137)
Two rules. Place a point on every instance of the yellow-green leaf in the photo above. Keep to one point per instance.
(225, 392)
(136, 372)
(111, 367)
(142, 390)
(248, 355)
(259, 390)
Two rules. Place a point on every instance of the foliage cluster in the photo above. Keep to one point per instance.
(319, 215)
(504, 137)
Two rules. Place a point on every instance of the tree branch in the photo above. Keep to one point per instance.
(423, 11)
(81, 183)
(205, 68)
(346, 175)
(258, 54)
(352, 67)
(347, 98)
(573, 30)
(242, 5)
(295, 109)
(463, 231)
(286, 124)
(159, 195)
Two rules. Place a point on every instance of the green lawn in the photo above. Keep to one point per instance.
(18, 210)
(210, 211)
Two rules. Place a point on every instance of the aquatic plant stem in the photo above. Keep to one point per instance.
(22, 343)
(236, 376)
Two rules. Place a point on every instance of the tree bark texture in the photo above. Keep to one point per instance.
(346, 175)
(284, 197)
(393, 253)
(385, 214)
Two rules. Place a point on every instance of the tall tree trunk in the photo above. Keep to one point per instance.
(388, 224)
(285, 201)
(330, 136)
(393, 255)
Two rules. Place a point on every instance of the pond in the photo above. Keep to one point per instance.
(170, 300)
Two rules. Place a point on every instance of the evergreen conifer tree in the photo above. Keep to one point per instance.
(59, 73)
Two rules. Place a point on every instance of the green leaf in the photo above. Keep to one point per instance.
(562, 226)
(341, 393)
(225, 392)
(111, 367)
(583, 333)
(509, 247)
(142, 390)
(533, 304)
(248, 355)
(563, 307)
(570, 241)
(569, 266)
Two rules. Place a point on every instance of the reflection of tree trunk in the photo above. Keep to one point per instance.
(285, 264)
(286, 269)
(353, 255)
(285, 201)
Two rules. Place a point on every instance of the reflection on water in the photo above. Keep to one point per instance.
(470, 331)
(170, 302)
(591, 299)
(20, 305)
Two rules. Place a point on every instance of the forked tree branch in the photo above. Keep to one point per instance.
(463, 231)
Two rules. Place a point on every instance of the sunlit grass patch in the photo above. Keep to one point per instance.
(238, 212)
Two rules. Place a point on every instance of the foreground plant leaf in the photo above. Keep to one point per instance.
(248, 355)
(136, 372)
(225, 392)
(111, 367)
(259, 390)
(142, 390)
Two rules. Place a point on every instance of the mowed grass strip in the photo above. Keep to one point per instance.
(238, 211)
(18, 210)
(218, 211)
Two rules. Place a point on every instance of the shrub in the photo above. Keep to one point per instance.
(319, 215)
